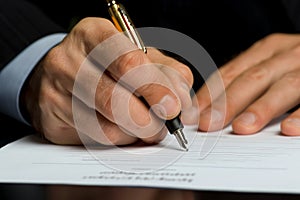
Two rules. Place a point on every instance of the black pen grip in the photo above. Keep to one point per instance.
(174, 125)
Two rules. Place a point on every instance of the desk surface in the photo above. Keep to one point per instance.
(63, 192)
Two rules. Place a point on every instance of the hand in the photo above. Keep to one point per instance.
(48, 94)
(261, 84)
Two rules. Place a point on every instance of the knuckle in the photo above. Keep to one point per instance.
(84, 26)
(147, 90)
(105, 34)
(256, 74)
(53, 61)
(292, 79)
(129, 61)
(187, 73)
(228, 74)
(88, 26)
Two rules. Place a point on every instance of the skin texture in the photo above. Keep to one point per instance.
(48, 94)
(261, 84)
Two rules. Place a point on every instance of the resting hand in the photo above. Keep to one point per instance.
(49, 92)
(261, 84)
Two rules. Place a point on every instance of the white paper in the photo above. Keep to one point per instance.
(264, 162)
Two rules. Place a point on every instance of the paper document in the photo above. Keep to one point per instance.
(264, 162)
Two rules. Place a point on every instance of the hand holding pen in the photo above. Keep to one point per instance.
(50, 90)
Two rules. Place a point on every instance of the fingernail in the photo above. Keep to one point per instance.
(247, 119)
(293, 122)
(167, 107)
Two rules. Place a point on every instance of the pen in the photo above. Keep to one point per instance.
(124, 24)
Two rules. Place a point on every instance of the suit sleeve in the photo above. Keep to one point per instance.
(25, 37)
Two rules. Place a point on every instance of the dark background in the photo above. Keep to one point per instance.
(224, 28)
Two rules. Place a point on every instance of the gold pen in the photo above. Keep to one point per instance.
(124, 24)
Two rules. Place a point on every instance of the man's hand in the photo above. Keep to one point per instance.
(261, 84)
(49, 92)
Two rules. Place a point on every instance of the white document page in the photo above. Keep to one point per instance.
(265, 162)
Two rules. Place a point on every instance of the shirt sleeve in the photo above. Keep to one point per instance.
(15, 73)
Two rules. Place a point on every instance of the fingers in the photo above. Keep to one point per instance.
(166, 101)
(53, 116)
(122, 60)
(73, 68)
(180, 85)
(115, 102)
(157, 57)
(98, 91)
(179, 74)
(56, 130)
(147, 81)
(249, 86)
(97, 127)
(89, 123)
(57, 120)
(282, 96)
(211, 90)
(61, 127)
(291, 125)
(257, 53)
(137, 72)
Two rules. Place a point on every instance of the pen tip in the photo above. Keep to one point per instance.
(181, 139)
(186, 149)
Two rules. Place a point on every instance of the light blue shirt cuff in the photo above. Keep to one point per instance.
(15, 73)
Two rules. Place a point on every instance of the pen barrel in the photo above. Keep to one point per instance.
(174, 124)
(124, 24)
